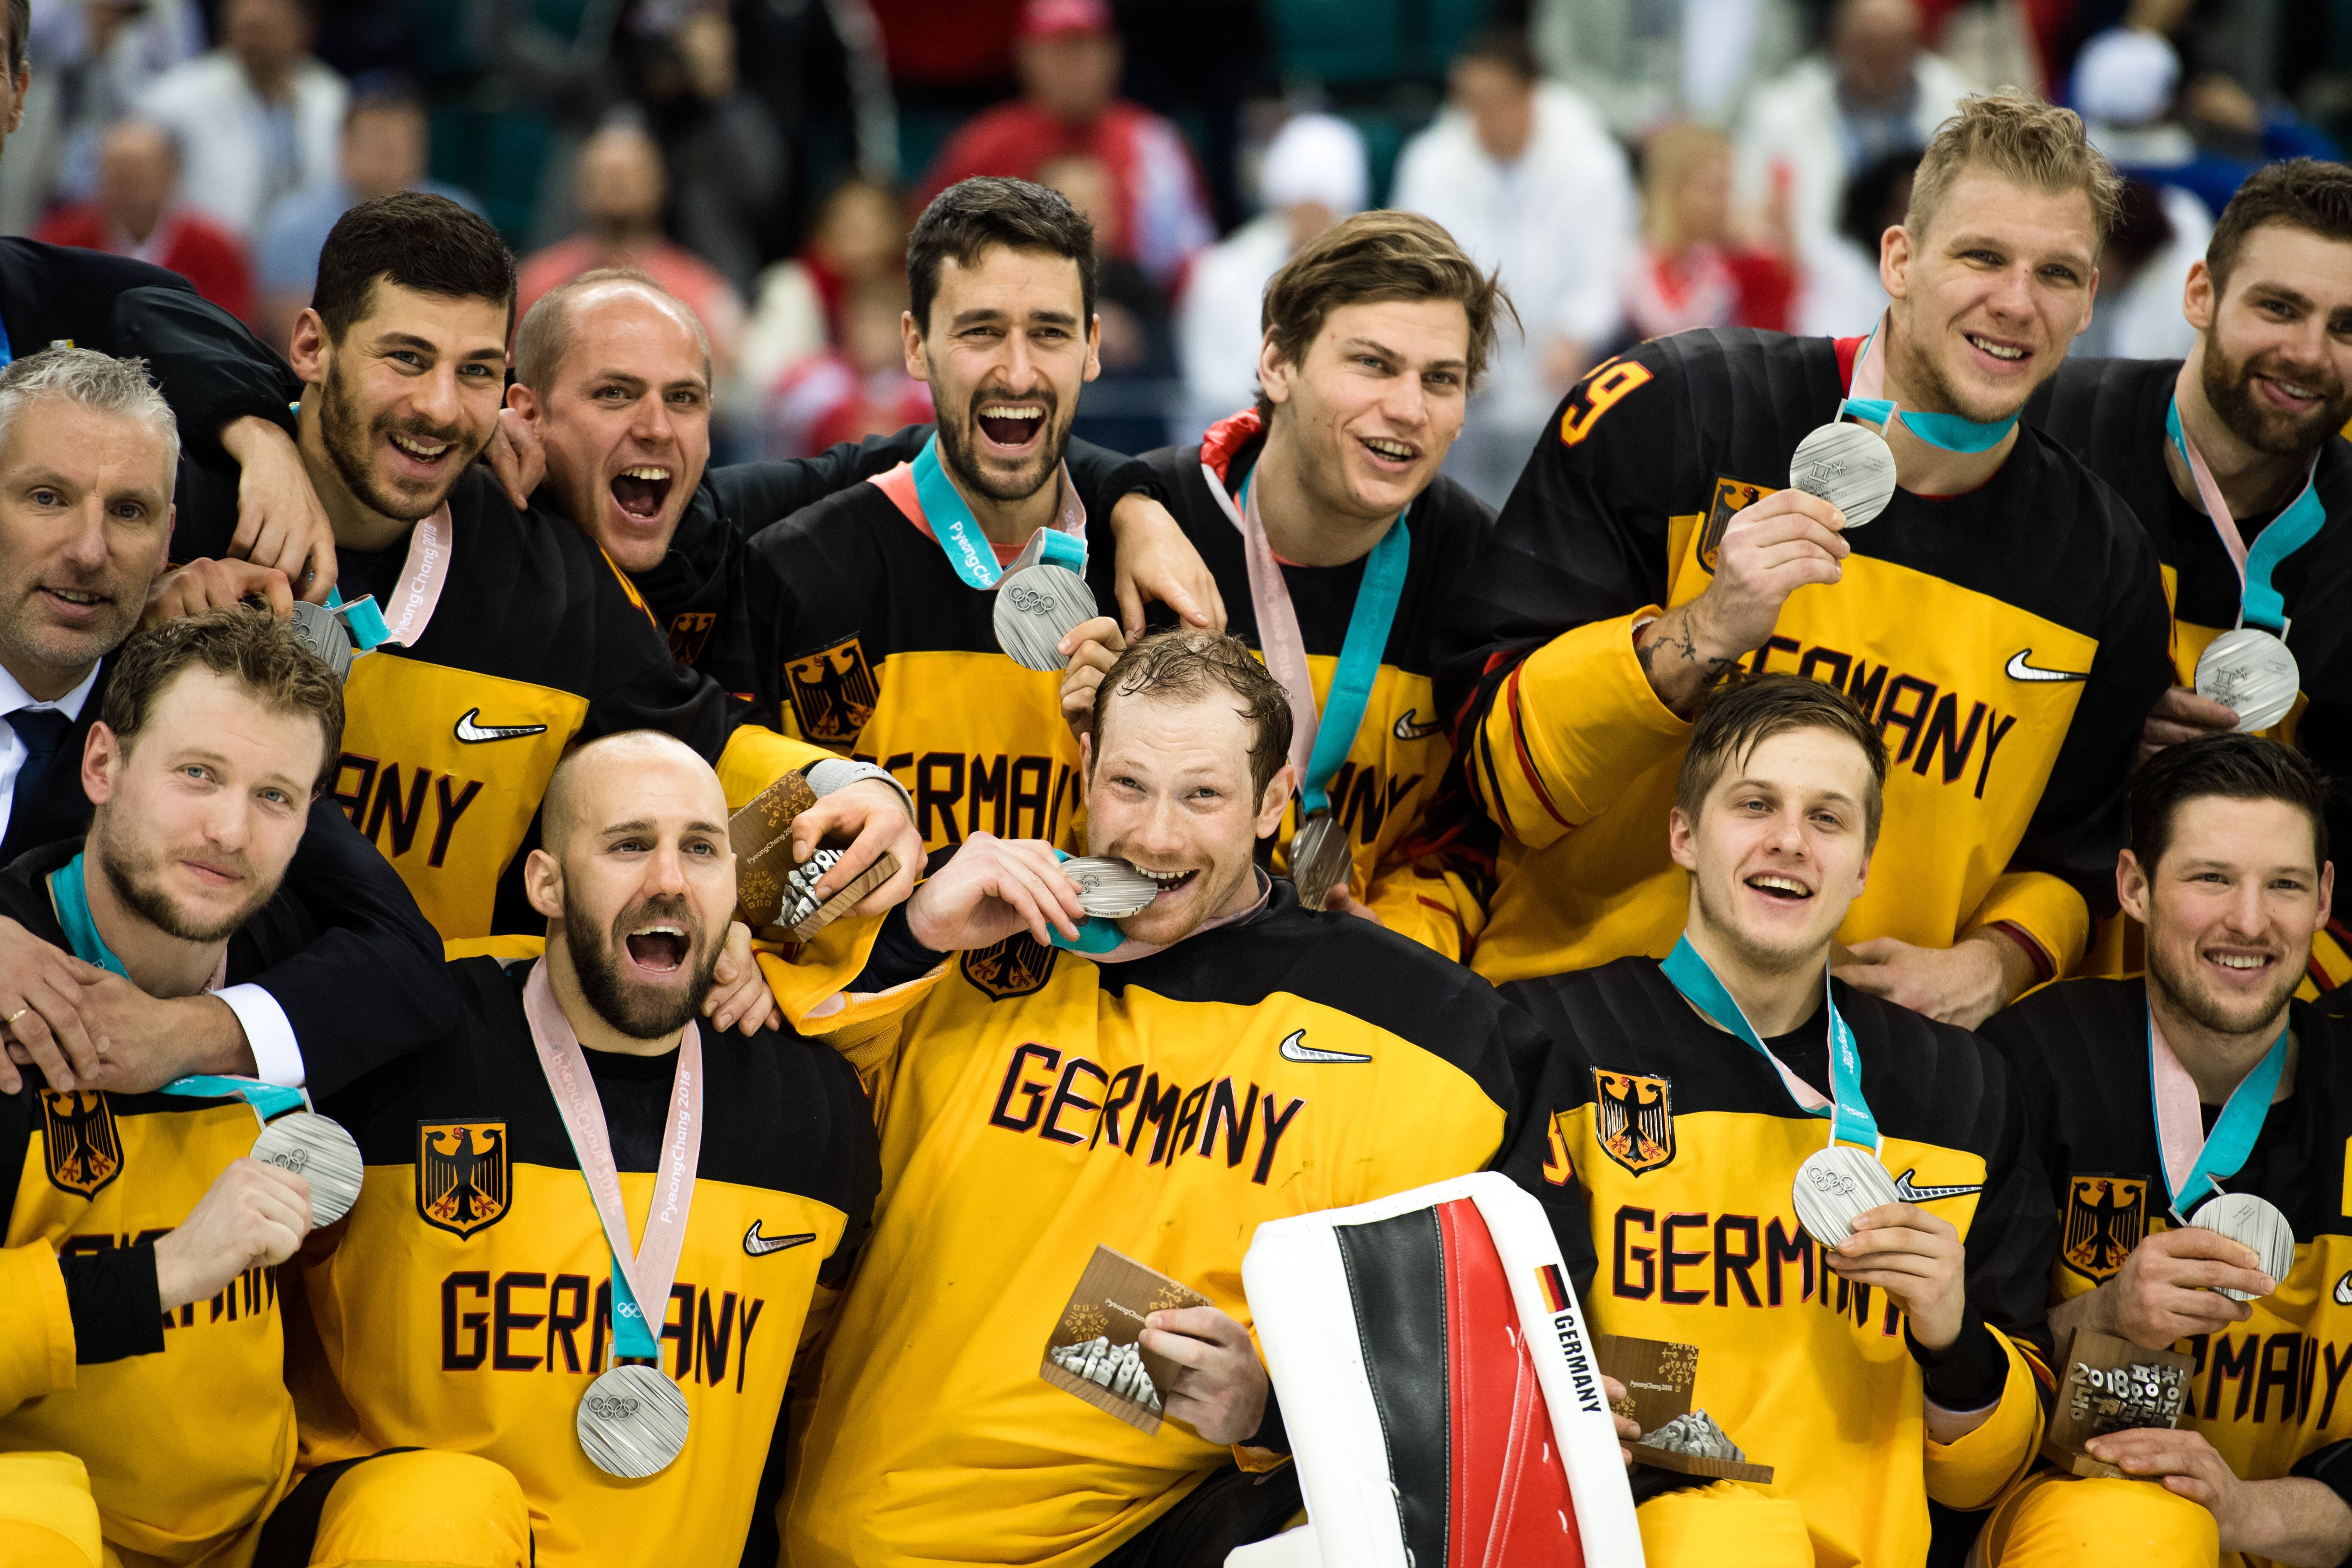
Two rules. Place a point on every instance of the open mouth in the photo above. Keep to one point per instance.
(75, 603)
(1996, 350)
(1388, 452)
(658, 948)
(2237, 961)
(1013, 424)
(2290, 395)
(1167, 881)
(1780, 888)
(640, 492)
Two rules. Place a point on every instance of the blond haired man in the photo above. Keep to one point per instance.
(2002, 622)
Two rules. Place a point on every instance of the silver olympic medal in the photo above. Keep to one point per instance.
(1837, 1185)
(1319, 858)
(1110, 888)
(321, 631)
(2251, 1222)
(317, 1148)
(1036, 607)
(1849, 466)
(2253, 672)
(632, 1422)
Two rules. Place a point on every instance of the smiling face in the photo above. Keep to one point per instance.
(1988, 295)
(1778, 851)
(407, 399)
(199, 816)
(641, 879)
(1376, 403)
(2230, 908)
(2277, 344)
(1006, 351)
(85, 526)
(627, 419)
(1170, 794)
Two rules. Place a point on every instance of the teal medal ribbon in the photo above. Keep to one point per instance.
(959, 536)
(365, 621)
(1849, 1113)
(1096, 935)
(2259, 604)
(1947, 431)
(70, 895)
(2172, 1097)
(632, 1338)
(1360, 659)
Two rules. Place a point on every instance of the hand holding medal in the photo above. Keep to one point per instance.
(2195, 1162)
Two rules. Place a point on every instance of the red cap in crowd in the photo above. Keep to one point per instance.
(1052, 18)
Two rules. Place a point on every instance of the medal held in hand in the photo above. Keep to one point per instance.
(317, 1148)
(1849, 466)
(1036, 607)
(1109, 889)
(1319, 858)
(1837, 1185)
(632, 1422)
(2250, 1222)
(2251, 673)
(321, 631)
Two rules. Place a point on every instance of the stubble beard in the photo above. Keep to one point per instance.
(136, 882)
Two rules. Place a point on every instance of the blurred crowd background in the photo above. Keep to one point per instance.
(1633, 167)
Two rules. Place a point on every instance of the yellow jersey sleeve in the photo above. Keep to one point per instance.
(37, 1334)
(2042, 906)
(1972, 1471)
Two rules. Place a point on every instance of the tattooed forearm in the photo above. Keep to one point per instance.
(1677, 669)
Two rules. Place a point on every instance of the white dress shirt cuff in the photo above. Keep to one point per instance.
(276, 1058)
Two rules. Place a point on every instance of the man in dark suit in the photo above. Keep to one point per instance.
(89, 451)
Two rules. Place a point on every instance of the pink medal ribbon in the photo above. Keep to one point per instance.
(427, 568)
(1277, 619)
(651, 1268)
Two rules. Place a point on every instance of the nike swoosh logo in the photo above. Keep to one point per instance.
(474, 734)
(1294, 1049)
(759, 1246)
(1406, 729)
(2019, 670)
(1905, 1191)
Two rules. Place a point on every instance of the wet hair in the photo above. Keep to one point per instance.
(1191, 663)
(1746, 711)
(968, 217)
(2231, 767)
(246, 644)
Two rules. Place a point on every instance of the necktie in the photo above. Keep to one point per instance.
(43, 731)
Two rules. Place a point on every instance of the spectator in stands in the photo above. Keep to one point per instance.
(620, 191)
(256, 117)
(1524, 175)
(1840, 294)
(1692, 270)
(1877, 90)
(1647, 63)
(138, 213)
(860, 236)
(385, 142)
(1314, 174)
(1127, 406)
(98, 62)
(856, 390)
(1069, 62)
(719, 144)
(2143, 269)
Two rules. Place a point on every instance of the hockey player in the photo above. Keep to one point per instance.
(1338, 543)
(2146, 1097)
(581, 1210)
(2002, 622)
(1220, 1059)
(1682, 1103)
(145, 1399)
(2259, 403)
(502, 637)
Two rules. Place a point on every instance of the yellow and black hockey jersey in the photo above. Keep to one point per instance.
(1383, 792)
(2110, 413)
(1036, 1104)
(2269, 1392)
(867, 641)
(1664, 1150)
(535, 642)
(466, 1303)
(181, 1417)
(2007, 643)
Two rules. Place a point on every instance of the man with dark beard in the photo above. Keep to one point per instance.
(871, 611)
(579, 1177)
(2143, 1099)
(494, 639)
(2259, 402)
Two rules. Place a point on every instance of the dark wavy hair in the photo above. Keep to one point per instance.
(1191, 663)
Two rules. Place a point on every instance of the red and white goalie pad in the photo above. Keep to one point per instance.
(1438, 1385)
